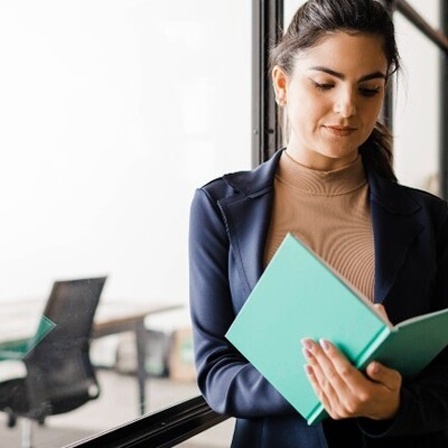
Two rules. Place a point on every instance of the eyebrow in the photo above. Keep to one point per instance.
(374, 75)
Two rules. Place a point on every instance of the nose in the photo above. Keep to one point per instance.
(344, 104)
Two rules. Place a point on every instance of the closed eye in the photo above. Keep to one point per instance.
(364, 91)
(369, 92)
(323, 87)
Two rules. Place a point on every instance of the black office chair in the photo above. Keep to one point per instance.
(59, 374)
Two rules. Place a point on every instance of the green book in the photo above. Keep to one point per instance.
(297, 296)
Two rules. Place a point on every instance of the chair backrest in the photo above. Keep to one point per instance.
(60, 374)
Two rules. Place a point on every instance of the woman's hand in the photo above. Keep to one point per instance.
(344, 390)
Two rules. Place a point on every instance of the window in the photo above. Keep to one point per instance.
(417, 105)
(113, 112)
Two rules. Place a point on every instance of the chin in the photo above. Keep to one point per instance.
(339, 159)
(340, 153)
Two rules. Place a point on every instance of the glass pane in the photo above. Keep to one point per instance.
(113, 112)
(417, 108)
(219, 436)
(290, 7)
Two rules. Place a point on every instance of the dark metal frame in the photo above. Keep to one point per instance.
(267, 20)
(444, 107)
(178, 423)
(162, 429)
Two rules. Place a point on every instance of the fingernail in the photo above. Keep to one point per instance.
(307, 344)
(306, 353)
(308, 369)
(324, 344)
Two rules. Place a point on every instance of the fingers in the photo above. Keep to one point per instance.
(328, 361)
(344, 390)
(320, 376)
(387, 385)
(389, 378)
(331, 376)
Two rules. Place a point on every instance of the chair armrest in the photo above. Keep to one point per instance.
(14, 349)
(6, 355)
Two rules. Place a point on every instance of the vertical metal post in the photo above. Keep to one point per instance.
(141, 339)
(267, 25)
(443, 161)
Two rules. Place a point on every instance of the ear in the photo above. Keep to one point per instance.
(280, 83)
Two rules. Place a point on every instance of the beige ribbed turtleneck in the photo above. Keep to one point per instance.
(330, 212)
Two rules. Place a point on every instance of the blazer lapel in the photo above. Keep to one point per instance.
(247, 214)
(248, 222)
(394, 227)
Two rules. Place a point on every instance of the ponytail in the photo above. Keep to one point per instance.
(376, 152)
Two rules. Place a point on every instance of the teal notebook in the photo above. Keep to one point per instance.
(299, 296)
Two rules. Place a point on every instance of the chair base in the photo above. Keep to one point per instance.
(27, 433)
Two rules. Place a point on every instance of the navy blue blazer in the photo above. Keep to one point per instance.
(229, 221)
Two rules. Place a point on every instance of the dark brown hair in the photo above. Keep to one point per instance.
(317, 18)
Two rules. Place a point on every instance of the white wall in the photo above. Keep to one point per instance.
(112, 112)
(416, 120)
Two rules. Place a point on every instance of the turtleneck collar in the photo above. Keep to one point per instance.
(321, 183)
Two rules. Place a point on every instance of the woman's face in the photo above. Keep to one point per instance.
(333, 98)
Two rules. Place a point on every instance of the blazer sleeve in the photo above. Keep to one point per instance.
(424, 400)
(228, 382)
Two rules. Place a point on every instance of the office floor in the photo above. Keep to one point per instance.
(117, 404)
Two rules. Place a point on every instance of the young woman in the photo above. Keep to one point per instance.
(334, 187)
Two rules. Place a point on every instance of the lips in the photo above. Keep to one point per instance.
(340, 131)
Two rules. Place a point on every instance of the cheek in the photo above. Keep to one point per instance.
(376, 108)
(302, 119)
(371, 112)
(308, 110)
(374, 114)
